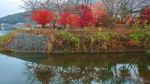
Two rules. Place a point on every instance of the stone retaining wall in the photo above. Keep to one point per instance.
(24, 42)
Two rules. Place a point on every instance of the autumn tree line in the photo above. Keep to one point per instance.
(85, 13)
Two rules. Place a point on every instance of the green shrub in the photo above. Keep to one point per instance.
(96, 36)
(70, 39)
(138, 35)
(108, 36)
(147, 36)
(103, 36)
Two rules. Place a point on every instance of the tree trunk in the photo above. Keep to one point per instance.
(43, 25)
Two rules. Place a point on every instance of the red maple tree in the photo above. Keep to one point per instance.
(42, 16)
(86, 18)
(69, 19)
(146, 15)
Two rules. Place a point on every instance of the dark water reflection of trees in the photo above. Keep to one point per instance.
(131, 68)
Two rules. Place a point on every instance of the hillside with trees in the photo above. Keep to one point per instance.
(15, 18)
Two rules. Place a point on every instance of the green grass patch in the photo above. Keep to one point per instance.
(5, 39)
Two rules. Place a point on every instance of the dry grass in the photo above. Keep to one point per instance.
(5, 39)
(122, 31)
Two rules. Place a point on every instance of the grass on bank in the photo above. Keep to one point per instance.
(84, 39)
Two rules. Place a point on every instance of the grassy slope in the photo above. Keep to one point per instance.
(6, 39)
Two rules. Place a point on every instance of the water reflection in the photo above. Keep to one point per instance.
(87, 69)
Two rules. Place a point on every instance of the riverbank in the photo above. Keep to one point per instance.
(76, 41)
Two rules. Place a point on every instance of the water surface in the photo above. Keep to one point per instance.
(131, 68)
(3, 32)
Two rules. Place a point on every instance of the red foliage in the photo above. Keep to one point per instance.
(69, 19)
(100, 16)
(42, 16)
(146, 14)
(86, 18)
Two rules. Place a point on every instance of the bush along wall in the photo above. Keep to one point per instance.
(99, 42)
(63, 41)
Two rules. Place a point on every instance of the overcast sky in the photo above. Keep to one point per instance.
(8, 7)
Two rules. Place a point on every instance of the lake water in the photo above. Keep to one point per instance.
(3, 32)
(127, 68)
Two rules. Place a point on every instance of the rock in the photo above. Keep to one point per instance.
(25, 42)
